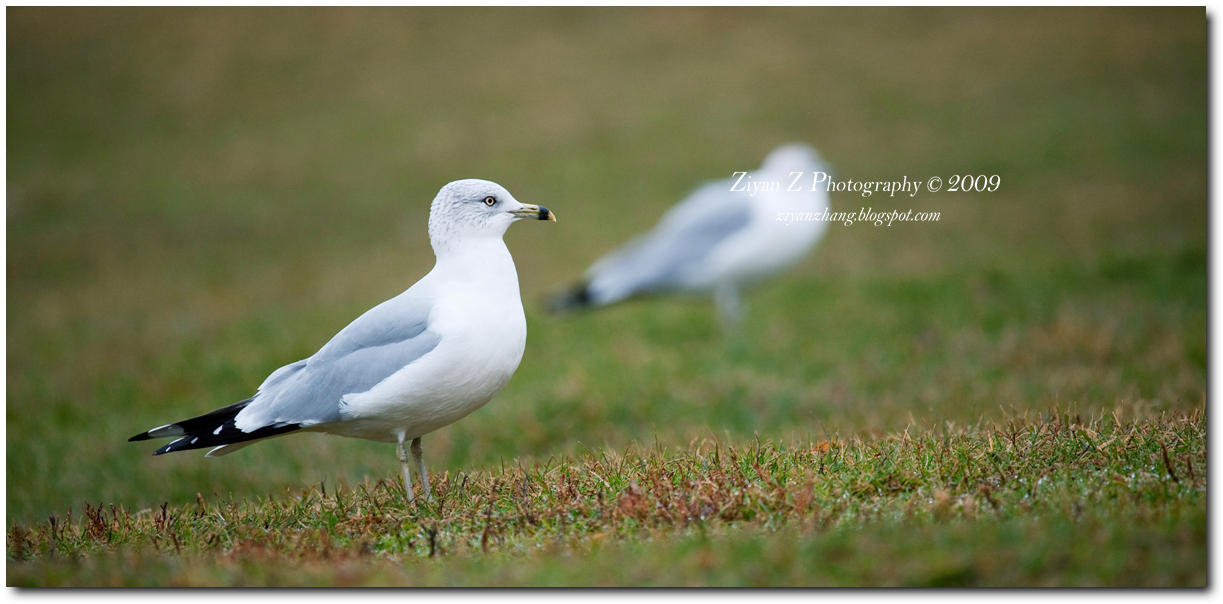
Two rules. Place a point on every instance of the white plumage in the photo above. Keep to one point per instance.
(415, 363)
(725, 236)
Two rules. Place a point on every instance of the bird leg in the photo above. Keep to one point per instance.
(418, 457)
(730, 305)
(402, 454)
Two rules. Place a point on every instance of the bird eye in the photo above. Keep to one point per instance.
(490, 200)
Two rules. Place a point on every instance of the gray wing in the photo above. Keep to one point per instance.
(677, 246)
(380, 342)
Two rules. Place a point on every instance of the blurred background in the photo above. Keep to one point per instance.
(196, 197)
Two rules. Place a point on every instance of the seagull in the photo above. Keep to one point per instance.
(725, 236)
(415, 363)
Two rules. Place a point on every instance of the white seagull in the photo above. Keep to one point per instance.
(726, 235)
(415, 363)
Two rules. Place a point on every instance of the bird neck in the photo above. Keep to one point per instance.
(483, 258)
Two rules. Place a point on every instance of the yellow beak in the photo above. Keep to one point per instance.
(534, 211)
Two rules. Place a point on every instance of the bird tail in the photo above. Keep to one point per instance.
(575, 298)
(212, 429)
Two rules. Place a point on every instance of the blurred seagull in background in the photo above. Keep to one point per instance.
(726, 235)
(415, 363)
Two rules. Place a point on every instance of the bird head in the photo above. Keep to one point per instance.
(474, 208)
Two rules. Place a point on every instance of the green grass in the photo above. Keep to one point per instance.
(1032, 501)
(196, 197)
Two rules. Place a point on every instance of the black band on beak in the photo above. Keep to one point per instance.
(544, 214)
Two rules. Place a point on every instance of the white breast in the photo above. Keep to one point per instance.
(483, 332)
(768, 245)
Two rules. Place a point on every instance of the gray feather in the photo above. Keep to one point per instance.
(379, 343)
(660, 259)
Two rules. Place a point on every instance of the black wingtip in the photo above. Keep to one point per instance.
(569, 300)
(195, 426)
(224, 434)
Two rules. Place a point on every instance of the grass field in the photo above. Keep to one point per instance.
(1029, 502)
(1013, 395)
